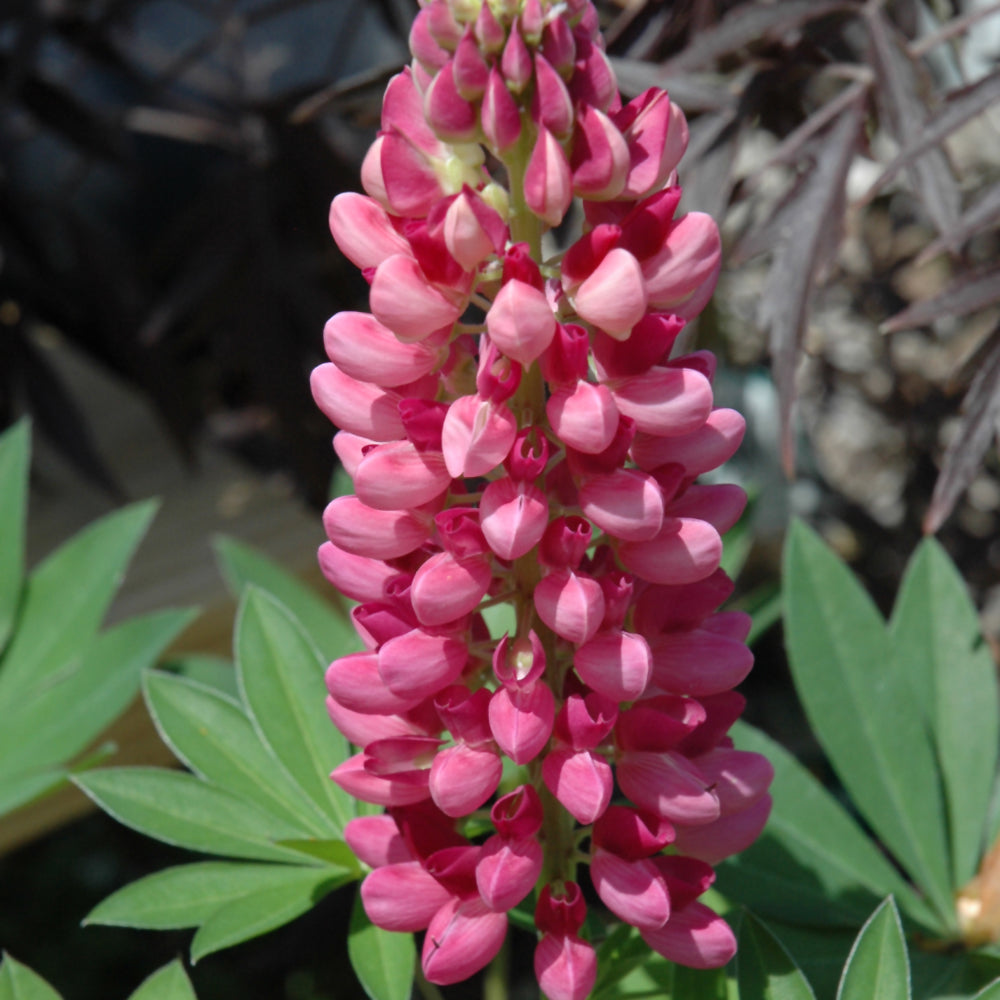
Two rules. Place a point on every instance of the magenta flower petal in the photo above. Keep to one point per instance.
(463, 937)
(585, 416)
(581, 780)
(520, 321)
(669, 785)
(566, 967)
(447, 587)
(631, 889)
(507, 871)
(464, 777)
(402, 897)
(477, 435)
(416, 665)
(571, 604)
(613, 297)
(396, 476)
(685, 550)
(694, 936)
(513, 517)
(616, 664)
(626, 503)
(521, 720)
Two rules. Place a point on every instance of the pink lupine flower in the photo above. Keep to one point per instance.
(519, 430)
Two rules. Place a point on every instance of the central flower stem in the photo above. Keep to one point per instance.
(528, 403)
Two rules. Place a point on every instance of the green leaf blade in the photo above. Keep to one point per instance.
(281, 680)
(813, 864)
(863, 714)
(15, 455)
(878, 965)
(169, 983)
(764, 969)
(383, 961)
(66, 598)
(186, 895)
(18, 982)
(57, 721)
(212, 735)
(327, 623)
(936, 631)
(183, 810)
(258, 912)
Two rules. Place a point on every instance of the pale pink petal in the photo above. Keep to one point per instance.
(715, 442)
(361, 408)
(585, 416)
(665, 401)
(407, 303)
(520, 321)
(376, 841)
(361, 784)
(476, 436)
(513, 517)
(370, 352)
(396, 476)
(356, 577)
(447, 587)
(613, 297)
(416, 665)
(379, 534)
(548, 183)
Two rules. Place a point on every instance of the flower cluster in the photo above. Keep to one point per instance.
(518, 432)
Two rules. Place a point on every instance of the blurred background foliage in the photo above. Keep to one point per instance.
(165, 172)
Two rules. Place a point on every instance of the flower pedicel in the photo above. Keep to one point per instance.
(518, 432)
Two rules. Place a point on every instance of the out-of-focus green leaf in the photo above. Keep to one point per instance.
(212, 735)
(259, 912)
(326, 623)
(19, 789)
(764, 604)
(215, 672)
(187, 895)
(820, 952)
(813, 864)
(18, 982)
(863, 713)
(382, 960)
(169, 983)
(54, 722)
(15, 451)
(66, 598)
(281, 680)
(764, 969)
(991, 992)
(877, 965)
(621, 952)
(940, 649)
(183, 810)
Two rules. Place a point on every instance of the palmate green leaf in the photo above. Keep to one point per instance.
(18, 982)
(990, 992)
(813, 864)
(939, 648)
(187, 895)
(15, 452)
(333, 852)
(281, 680)
(262, 911)
(621, 952)
(169, 983)
(213, 736)
(183, 810)
(383, 961)
(327, 623)
(66, 597)
(863, 713)
(215, 672)
(878, 965)
(764, 969)
(56, 721)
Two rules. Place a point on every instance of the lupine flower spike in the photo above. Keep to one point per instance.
(519, 431)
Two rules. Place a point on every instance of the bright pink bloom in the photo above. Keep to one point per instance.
(518, 433)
